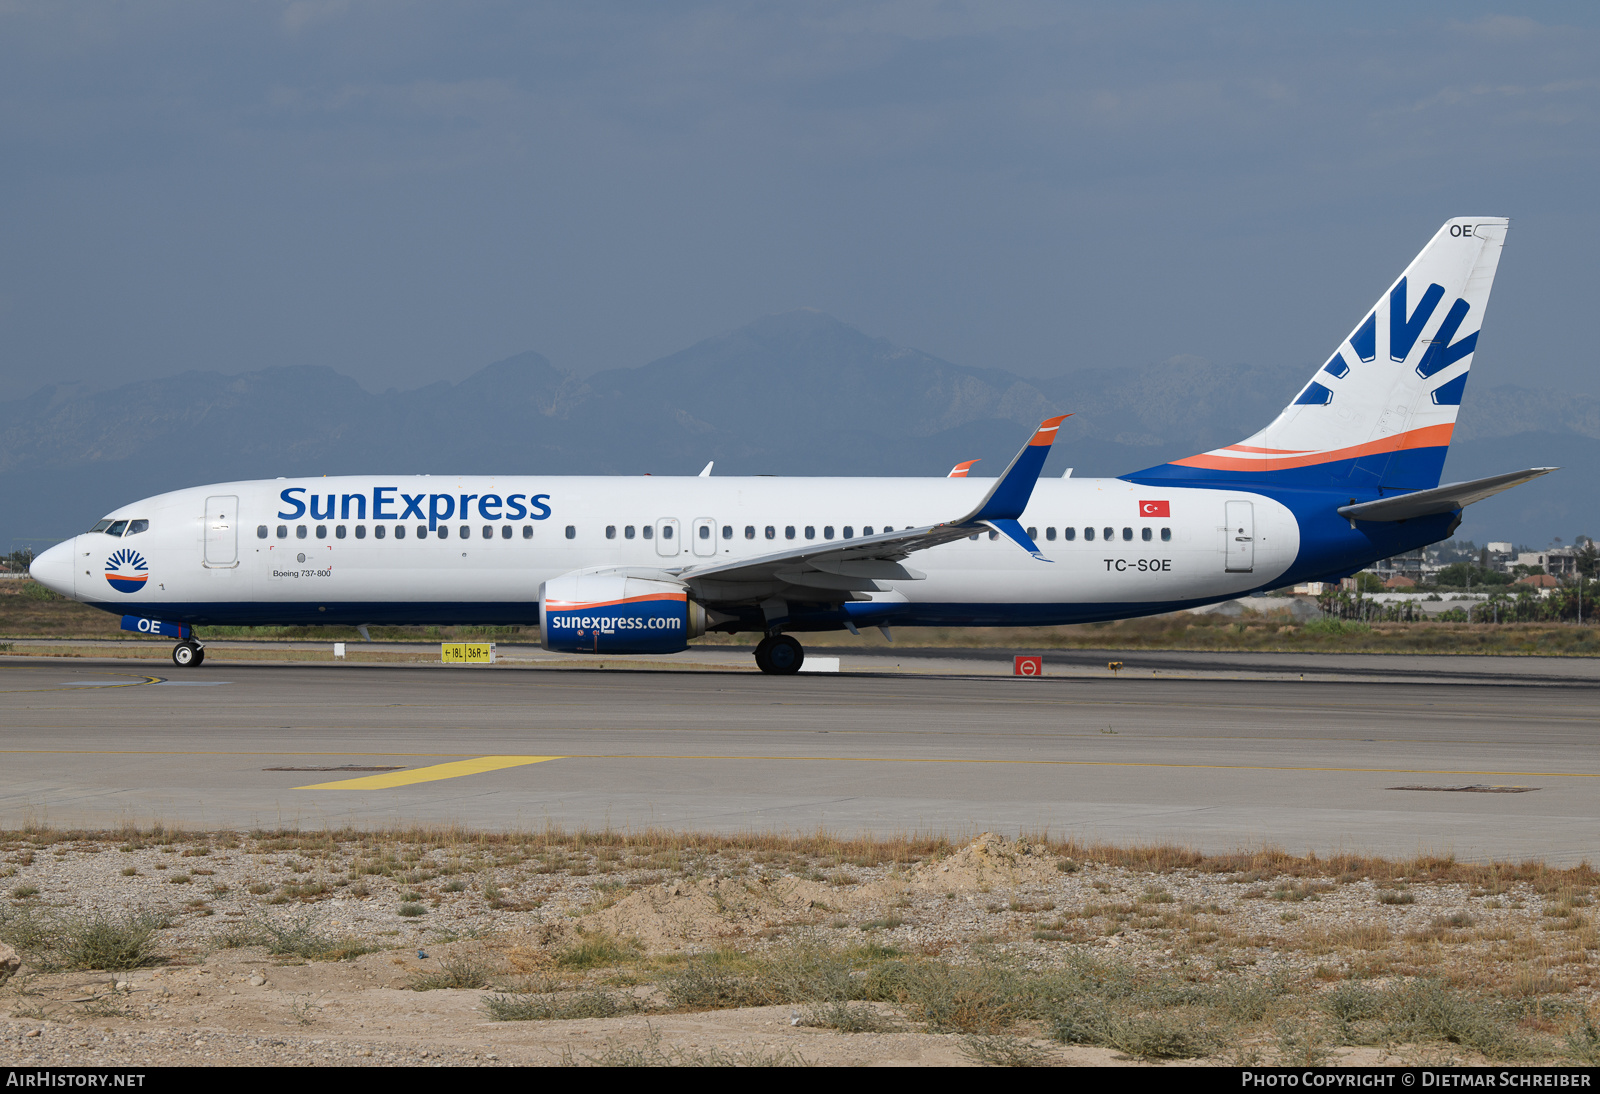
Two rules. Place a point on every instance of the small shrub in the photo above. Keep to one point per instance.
(597, 952)
(844, 1017)
(1005, 1051)
(22, 892)
(412, 910)
(108, 942)
(563, 1005)
(456, 972)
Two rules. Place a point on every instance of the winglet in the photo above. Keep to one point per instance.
(959, 471)
(1009, 496)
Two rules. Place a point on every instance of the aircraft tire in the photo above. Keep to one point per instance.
(762, 647)
(187, 654)
(784, 657)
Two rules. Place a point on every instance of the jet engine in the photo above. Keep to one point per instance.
(611, 612)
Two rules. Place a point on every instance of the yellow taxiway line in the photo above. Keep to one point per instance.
(430, 774)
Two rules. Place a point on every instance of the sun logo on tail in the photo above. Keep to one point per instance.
(125, 569)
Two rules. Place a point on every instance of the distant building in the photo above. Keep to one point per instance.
(1557, 562)
(1399, 581)
(1311, 588)
(1538, 581)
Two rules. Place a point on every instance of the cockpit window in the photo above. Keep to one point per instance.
(101, 526)
(137, 526)
(116, 528)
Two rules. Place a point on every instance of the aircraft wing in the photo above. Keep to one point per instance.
(1441, 499)
(814, 570)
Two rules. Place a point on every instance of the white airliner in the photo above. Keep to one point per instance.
(1346, 474)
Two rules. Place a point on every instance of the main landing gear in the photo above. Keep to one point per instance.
(188, 653)
(779, 655)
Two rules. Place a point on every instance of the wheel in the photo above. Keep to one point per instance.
(764, 647)
(199, 654)
(185, 654)
(784, 656)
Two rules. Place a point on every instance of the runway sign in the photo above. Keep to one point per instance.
(466, 653)
(1028, 666)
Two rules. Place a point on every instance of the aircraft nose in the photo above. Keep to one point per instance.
(54, 569)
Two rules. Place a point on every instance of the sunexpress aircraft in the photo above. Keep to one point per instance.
(1347, 473)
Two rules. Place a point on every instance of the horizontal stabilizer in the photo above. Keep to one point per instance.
(1441, 499)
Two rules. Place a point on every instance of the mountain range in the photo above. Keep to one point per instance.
(794, 394)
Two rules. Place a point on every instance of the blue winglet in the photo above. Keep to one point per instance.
(1009, 496)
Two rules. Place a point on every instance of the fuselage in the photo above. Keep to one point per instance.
(476, 549)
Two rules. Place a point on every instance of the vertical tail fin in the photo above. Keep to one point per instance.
(1381, 411)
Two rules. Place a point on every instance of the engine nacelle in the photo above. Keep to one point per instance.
(613, 613)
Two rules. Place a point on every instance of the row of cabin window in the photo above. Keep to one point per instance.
(379, 531)
(770, 532)
(648, 531)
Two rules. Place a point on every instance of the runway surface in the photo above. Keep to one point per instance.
(1209, 753)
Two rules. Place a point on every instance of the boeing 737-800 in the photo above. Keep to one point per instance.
(1348, 473)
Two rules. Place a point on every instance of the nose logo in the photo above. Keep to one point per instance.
(126, 571)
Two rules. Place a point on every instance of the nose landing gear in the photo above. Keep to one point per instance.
(779, 655)
(188, 653)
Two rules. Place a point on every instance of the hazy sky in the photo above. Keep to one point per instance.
(406, 192)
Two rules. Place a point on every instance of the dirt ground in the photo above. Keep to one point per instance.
(578, 948)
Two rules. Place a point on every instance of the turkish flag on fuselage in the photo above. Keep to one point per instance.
(1155, 509)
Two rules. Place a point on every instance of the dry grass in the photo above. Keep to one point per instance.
(1261, 954)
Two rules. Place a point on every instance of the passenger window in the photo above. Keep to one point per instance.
(379, 531)
(866, 529)
(283, 531)
(993, 534)
(443, 531)
(1127, 533)
(572, 532)
(771, 533)
(299, 531)
(399, 531)
(627, 532)
(788, 531)
(488, 532)
(261, 531)
(1069, 534)
(118, 528)
(527, 531)
(849, 532)
(749, 531)
(422, 531)
(727, 531)
(322, 531)
(1144, 534)
(137, 526)
(1107, 533)
(705, 531)
(361, 531)
(338, 533)
(811, 531)
(1088, 533)
(1166, 535)
(466, 532)
(611, 531)
(1033, 534)
(505, 531)
(887, 529)
(647, 531)
(1050, 533)
(827, 531)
